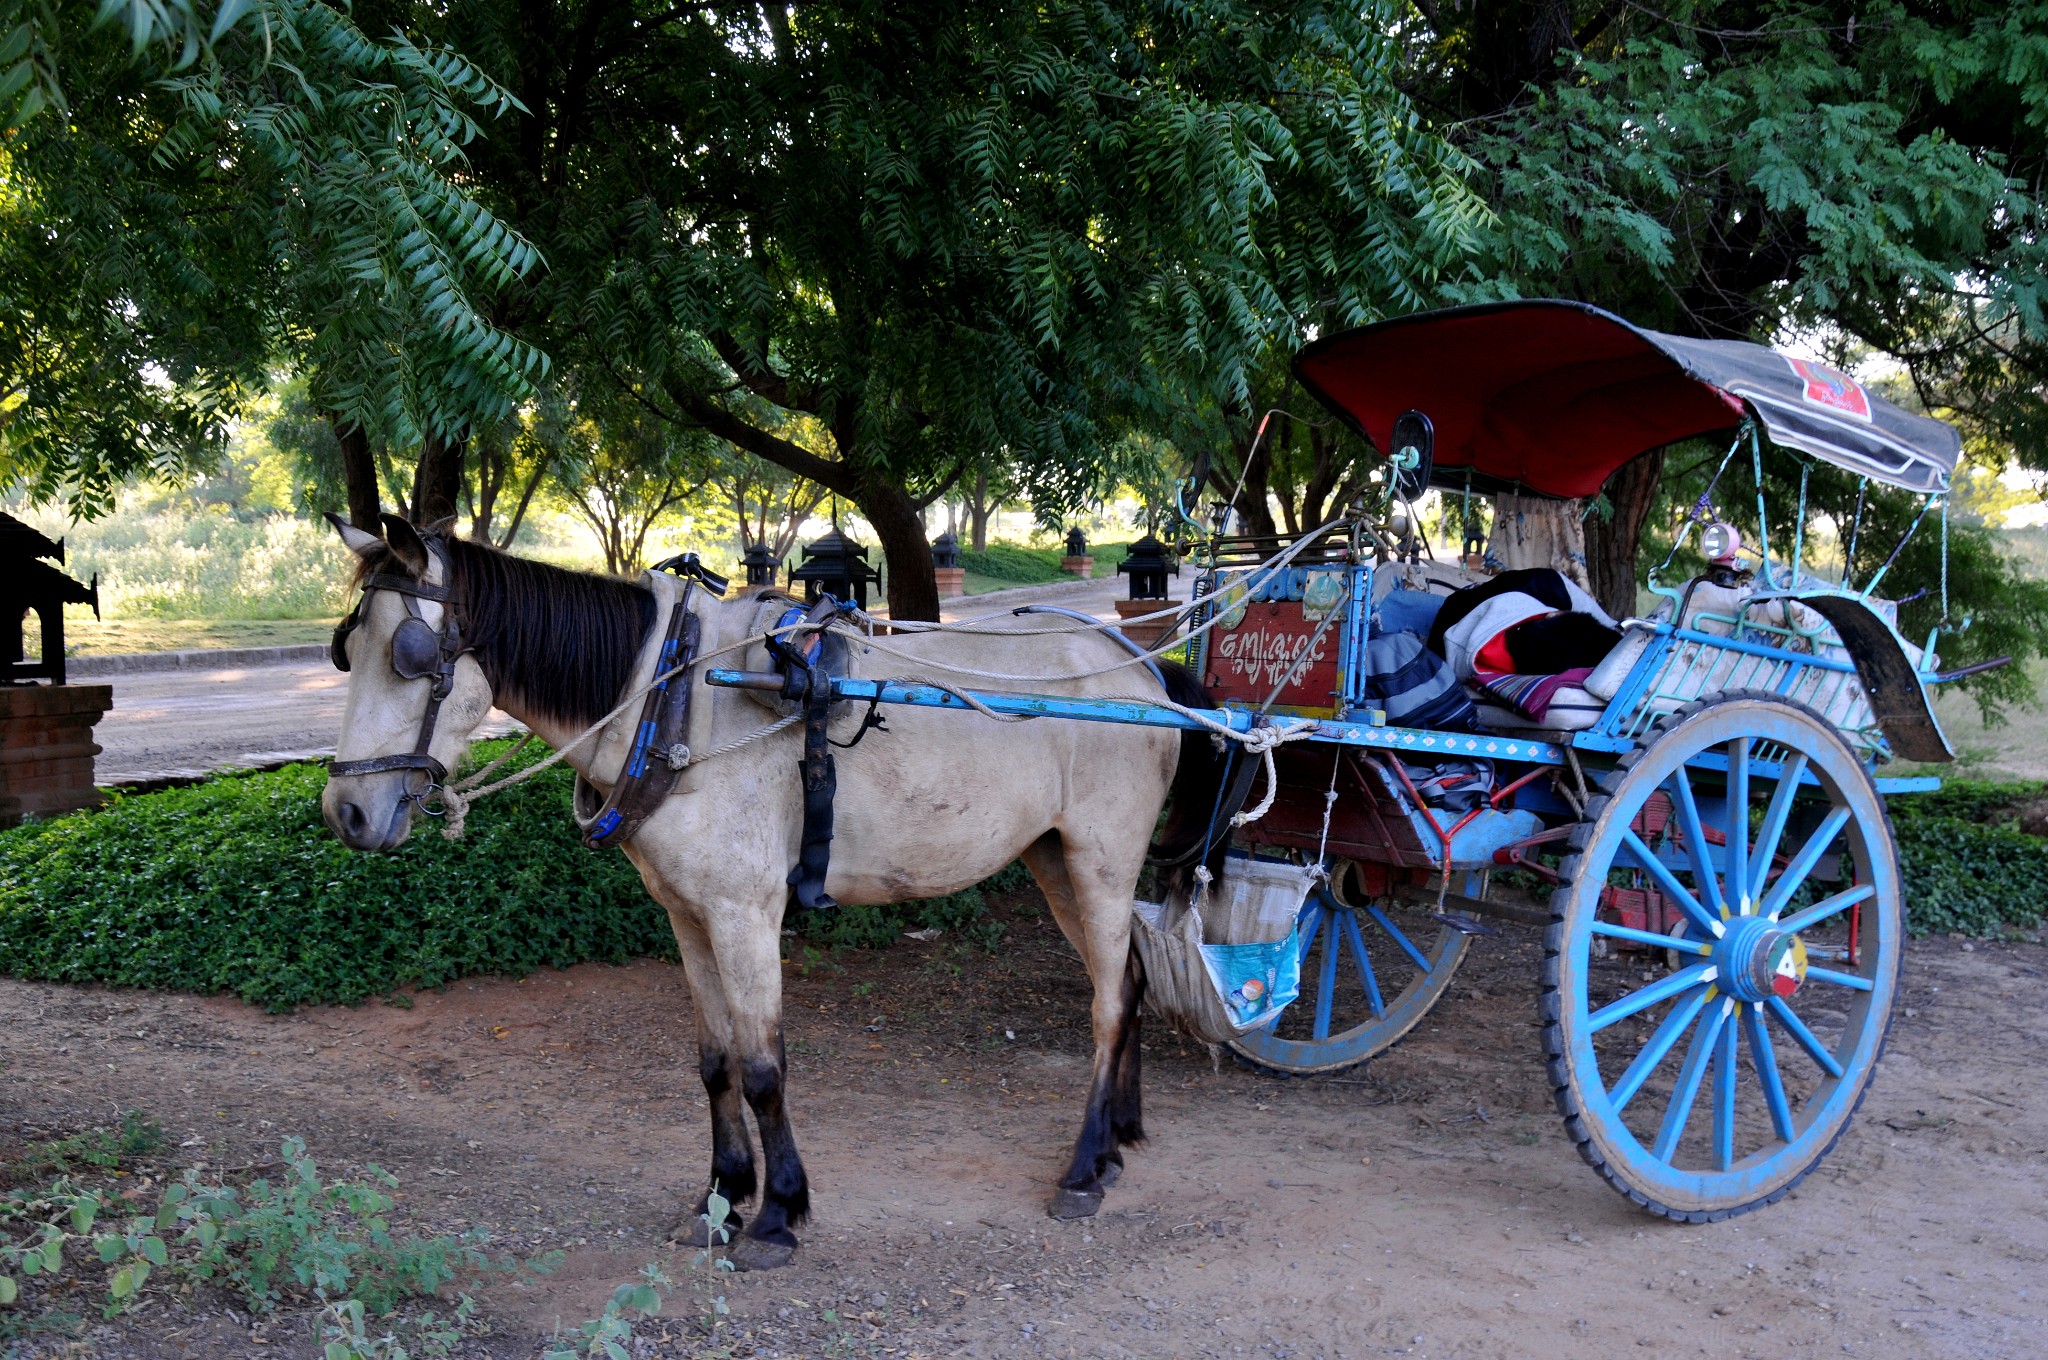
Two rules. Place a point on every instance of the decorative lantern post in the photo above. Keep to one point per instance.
(761, 564)
(1077, 561)
(946, 568)
(46, 745)
(837, 566)
(1148, 564)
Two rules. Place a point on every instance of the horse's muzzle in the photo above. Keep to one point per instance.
(364, 822)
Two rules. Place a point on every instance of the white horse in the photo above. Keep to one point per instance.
(936, 802)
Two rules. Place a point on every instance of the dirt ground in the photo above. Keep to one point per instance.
(1428, 1205)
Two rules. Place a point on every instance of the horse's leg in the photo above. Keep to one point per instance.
(732, 1154)
(748, 944)
(1095, 915)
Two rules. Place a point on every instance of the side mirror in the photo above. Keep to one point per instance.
(1411, 457)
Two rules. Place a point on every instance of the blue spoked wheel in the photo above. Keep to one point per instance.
(1369, 973)
(1707, 1075)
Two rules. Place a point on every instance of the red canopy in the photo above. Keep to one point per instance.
(1554, 396)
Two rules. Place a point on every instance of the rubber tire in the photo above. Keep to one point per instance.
(1583, 1131)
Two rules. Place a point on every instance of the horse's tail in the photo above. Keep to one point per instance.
(1199, 806)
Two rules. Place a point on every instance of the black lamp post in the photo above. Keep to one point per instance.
(835, 566)
(946, 550)
(761, 564)
(1077, 542)
(1148, 565)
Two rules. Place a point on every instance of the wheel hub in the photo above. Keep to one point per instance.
(1759, 961)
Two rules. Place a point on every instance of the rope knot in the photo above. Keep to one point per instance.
(677, 756)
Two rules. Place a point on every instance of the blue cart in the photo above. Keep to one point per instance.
(1698, 825)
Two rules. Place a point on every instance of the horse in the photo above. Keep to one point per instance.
(447, 628)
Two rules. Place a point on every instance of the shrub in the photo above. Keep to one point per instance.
(235, 885)
(1963, 875)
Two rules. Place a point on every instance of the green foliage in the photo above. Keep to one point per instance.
(300, 1237)
(93, 1149)
(1030, 566)
(1986, 802)
(221, 186)
(156, 560)
(1969, 877)
(235, 885)
(607, 1336)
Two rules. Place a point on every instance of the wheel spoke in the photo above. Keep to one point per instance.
(1724, 1096)
(1738, 823)
(1317, 914)
(1696, 840)
(1861, 984)
(1659, 1047)
(1796, 1027)
(1799, 922)
(1666, 880)
(1681, 943)
(1765, 1057)
(1372, 982)
(1395, 931)
(1802, 863)
(1661, 990)
(1326, 985)
(1689, 1077)
(1776, 816)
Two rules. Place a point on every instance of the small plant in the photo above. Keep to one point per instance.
(606, 1336)
(100, 1149)
(716, 1218)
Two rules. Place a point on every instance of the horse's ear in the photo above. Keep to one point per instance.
(360, 542)
(406, 545)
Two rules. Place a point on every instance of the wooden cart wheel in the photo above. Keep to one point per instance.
(1368, 975)
(1712, 1089)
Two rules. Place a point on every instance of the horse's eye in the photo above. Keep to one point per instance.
(337, 650)
(415, 650)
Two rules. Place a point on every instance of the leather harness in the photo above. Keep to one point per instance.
(659, 753)
(411, 659)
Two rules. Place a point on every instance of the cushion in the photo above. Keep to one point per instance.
(1572, 709)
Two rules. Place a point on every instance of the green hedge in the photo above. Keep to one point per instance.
(235, 885)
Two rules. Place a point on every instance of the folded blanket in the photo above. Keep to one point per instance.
(1529, 695)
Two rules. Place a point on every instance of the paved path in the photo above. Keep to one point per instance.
(179, 724)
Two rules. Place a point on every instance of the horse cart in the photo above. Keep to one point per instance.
(1695, 818)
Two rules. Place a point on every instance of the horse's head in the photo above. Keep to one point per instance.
(414, 692)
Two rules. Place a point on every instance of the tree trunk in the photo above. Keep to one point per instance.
(525, 499)
(493, 465)
(913, 589)
(438, 480)
(977, 512)
(359, 475)
(1613, 544)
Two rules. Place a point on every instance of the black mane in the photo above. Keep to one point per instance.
(561, 642)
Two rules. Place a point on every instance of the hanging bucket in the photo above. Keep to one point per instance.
(1215, 975)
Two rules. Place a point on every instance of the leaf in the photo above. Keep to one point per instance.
(153, 1248)
(9, 1290)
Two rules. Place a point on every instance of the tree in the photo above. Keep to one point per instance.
(938, 234)
(190, 192)
(1744, 168)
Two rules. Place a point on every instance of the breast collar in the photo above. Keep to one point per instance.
(449, 647)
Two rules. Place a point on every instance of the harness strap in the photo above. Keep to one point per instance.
(648, 776)
(805, 681)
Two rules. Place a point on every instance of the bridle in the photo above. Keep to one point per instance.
(418, 652)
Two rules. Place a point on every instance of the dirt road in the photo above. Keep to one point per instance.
(1426, 1206)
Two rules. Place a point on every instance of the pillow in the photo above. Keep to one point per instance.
(1407, 611)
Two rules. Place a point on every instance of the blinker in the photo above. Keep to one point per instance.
(415, 650)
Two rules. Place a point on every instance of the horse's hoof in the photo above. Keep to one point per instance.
(751, 1253)
(1070, 1204)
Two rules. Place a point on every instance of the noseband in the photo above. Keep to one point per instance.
(418, 652)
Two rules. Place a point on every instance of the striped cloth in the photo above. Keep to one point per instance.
(1529, 695)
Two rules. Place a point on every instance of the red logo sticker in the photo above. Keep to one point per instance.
(1832, 388)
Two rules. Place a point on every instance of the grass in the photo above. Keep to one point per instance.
(88, 636)
(1004, 566)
